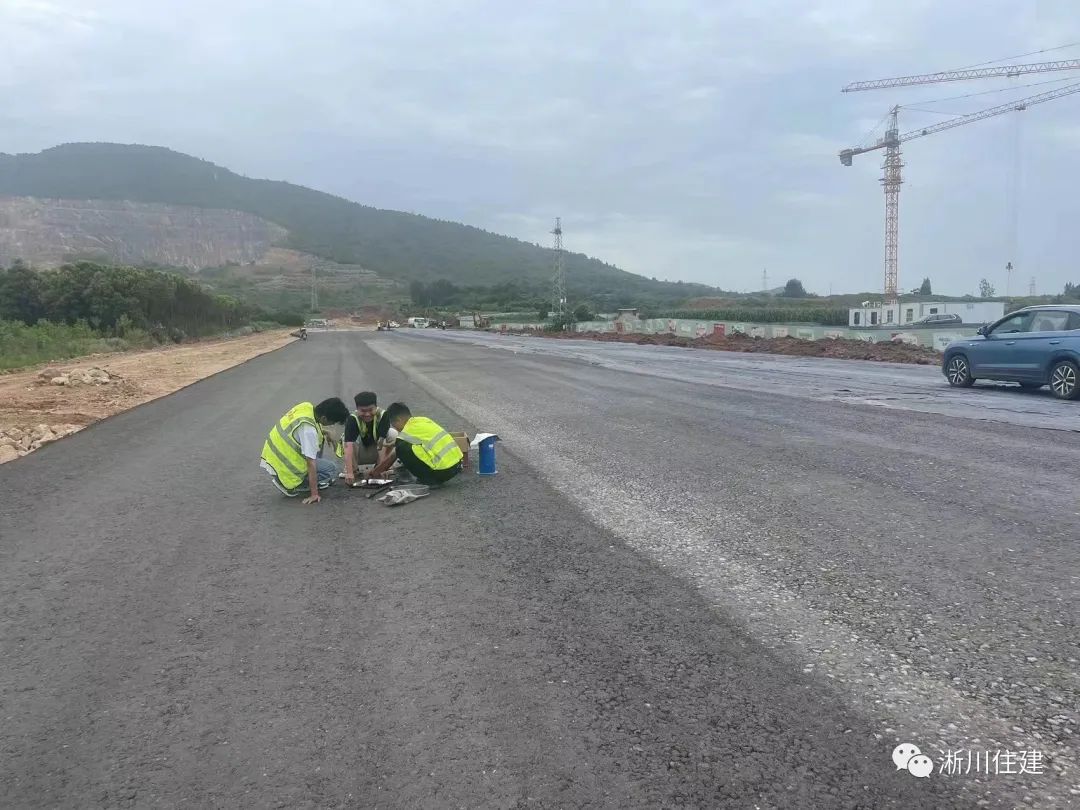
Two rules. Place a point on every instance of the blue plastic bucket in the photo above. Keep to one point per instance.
(487, 456)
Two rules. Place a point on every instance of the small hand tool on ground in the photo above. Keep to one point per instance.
(367, 483)
(382, 488)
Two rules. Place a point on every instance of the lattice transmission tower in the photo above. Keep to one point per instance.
(559, 291)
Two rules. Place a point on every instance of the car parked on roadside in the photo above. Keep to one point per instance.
(941, 319)
(1033, 346)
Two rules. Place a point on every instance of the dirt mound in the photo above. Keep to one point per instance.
(839, 348)
(39, 406)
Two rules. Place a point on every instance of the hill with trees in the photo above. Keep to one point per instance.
(392, 244)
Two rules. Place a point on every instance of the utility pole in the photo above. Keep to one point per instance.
(559, 303)
(764, 280)
(314, 292)
(1008, 278)
(1031, 288)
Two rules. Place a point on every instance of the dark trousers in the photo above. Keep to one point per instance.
(424, 474)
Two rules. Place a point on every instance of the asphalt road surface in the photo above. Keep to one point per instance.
(697, 580)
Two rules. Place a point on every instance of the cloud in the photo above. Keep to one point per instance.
(1067, 136)
(682, 138)
(797, 198)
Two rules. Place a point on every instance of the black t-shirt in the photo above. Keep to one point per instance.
(352, 431)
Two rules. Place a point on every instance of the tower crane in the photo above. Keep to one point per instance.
(892, 178)
(1008, 71)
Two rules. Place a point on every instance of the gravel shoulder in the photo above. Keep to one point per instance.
(42, 404)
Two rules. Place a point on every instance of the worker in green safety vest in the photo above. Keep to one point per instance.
(422, 446)
(292, 453)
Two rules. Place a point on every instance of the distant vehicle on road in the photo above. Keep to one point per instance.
(1034, 346)
(418, 323)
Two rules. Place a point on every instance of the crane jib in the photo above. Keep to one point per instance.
(1007, 71)
(892, 179)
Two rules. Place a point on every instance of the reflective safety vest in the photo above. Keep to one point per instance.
(374, 422)
(282, 449)
(431, 444)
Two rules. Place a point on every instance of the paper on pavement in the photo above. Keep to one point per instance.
(479, 437)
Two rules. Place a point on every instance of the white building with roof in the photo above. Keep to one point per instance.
(876, 314)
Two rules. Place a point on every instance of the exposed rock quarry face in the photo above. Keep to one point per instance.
(46, 233)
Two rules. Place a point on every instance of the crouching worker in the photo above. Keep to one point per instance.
(365, 434)
(291, 454)
(422, 447)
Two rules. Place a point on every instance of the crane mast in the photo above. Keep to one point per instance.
(892, 178)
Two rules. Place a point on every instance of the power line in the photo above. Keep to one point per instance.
(996, 90)
(933, 112)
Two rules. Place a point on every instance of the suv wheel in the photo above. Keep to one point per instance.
(1064, 380)
(958, 372)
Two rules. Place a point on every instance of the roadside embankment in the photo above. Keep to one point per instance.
(842, 348)
(43, 404)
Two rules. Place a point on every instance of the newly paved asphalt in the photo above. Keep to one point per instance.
(697, 580)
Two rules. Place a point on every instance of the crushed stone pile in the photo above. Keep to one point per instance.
(16, 442)
(80, 376)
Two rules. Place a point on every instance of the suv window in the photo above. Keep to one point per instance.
(1050, 321)
(1020, 322)
(1074, 321)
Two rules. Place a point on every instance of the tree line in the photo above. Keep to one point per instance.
(112, 300)
(511, 296)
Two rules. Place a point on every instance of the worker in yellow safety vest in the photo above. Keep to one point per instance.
(422, 446)
(365, 435)
(292, 453)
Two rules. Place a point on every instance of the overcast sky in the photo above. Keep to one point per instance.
(682, 139)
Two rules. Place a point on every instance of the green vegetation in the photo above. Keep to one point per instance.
(113, 300)
(22, 345)
(794, 289)
(84, 308)
(824, 315)
(278, 287)
(507, 297)
(393, 244)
